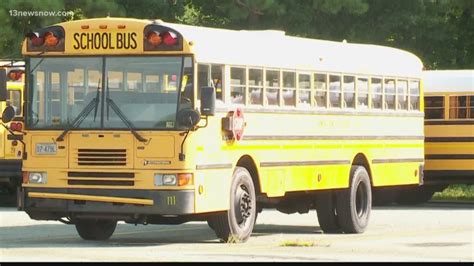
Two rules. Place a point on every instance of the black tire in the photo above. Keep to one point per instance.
(353, 205)
(211, 223)
(236, 224)
(326, 211)
(415, 195)
(95, 229)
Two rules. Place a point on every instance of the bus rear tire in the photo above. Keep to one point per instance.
(236, 224)
(353, 205)
(95, 229)
(326, 211)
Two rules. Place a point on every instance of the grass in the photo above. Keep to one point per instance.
(296, 243)
(456, 192)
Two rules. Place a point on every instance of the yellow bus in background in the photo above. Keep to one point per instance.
(150, 122)
(11, 150)
(449, 130)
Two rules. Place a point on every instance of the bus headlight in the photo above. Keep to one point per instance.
(165, 180)
(183, 179)
(37, 178)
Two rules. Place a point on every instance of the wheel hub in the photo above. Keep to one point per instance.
(243, 205)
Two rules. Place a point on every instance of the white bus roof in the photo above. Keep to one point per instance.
(270, 48)
(448, 80)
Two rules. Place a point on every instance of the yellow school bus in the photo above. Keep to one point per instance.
(11, 151)
(149, 122)
(449, 129)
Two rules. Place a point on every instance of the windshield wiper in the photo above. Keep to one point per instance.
(93, 104)
(122, 116)
(125, 120)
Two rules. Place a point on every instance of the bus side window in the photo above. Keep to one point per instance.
(203, 78)
(272, 87)
(211, 75)
(461, 107)
(434, 107)
(349, 92)
(362, 93)
(217, 72)
(289, 88)
(376, 91)
(334, 91)
(320, 90)
(389, 91)
(402, 95)
(414, 95)
(14, 100)
(238, 85)
(304, 90)
(256, 86)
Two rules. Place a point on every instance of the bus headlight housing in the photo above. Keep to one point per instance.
(173, 179)
(37, 178)
(165, 179)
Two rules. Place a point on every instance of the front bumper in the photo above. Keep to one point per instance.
(54, 203)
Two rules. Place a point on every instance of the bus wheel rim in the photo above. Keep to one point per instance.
(242, 205)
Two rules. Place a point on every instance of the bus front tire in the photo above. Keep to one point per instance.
(236, 224)
(95, 229)
(326, 212)
(353, 205)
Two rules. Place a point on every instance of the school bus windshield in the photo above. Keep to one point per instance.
(144, 88)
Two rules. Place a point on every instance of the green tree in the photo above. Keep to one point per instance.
(440, 32)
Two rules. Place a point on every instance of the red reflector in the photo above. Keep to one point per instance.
(50, 39)
(154, 38)
(169, 38)
(85, 27)
(16, 126)
(36, 39)
(15, 74)
(102, 27)
(14, 143)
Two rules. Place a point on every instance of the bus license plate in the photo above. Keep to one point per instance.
(46, 148)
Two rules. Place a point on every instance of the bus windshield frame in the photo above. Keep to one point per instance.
(147, 90)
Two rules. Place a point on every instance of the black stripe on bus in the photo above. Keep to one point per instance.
(449, 175)
(449, 156)
(214, 166)
(291, 137)
(449, 139)
(450, 122)
(304, 163)
(403, 160)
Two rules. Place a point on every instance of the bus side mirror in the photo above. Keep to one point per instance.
(8, 114)
(208, 101)
(188, 118)
(3, 85)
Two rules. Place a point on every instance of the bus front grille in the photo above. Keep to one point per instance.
(101, 179)
(102, 157)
